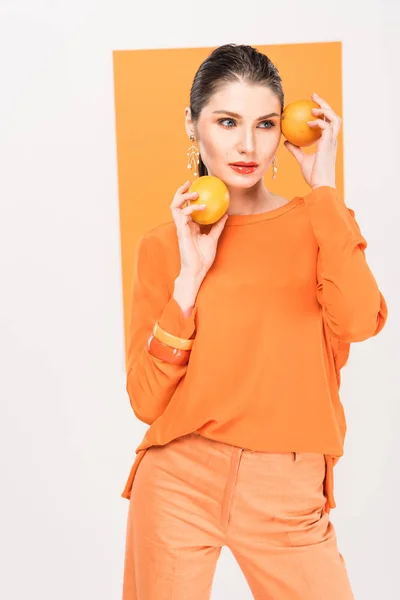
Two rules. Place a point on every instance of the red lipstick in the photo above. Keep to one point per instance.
(244, 168)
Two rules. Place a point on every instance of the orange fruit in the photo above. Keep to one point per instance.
(212, 192)
(294, 123)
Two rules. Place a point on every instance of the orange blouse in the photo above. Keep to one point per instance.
(288, 292)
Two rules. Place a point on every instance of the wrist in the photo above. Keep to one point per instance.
(187, 280)
(330, 184)
(185, 292)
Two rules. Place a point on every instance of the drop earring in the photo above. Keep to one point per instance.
(193, 154)
(274, 167)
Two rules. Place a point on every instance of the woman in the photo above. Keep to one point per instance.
(235, 356)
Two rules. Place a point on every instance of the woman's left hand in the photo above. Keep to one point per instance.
(319, 168)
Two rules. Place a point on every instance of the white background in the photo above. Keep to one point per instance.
(67, 433)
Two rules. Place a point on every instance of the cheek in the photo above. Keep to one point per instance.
(215, 148)
(270, 144)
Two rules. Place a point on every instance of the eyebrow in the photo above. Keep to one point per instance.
(233, 114)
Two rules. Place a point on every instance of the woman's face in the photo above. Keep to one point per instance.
(241, 123)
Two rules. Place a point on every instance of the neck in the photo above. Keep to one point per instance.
(249, 201)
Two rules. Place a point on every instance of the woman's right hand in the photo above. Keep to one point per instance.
(197, 250)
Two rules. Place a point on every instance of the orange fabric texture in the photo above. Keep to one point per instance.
(194, 495)
(289, 291)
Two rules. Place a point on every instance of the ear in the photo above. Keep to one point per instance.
(189, 125)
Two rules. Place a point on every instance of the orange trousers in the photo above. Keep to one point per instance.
(194, 495)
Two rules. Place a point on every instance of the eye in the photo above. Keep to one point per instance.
(269, 124)
(222, 120)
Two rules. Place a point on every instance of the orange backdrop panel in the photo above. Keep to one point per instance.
(151, 91)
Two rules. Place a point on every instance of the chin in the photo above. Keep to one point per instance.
(241, 181)
(237, 180)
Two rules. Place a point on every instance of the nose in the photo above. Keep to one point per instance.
(247, 141)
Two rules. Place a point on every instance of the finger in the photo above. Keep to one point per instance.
(323, 103)
(295, 150)
(326, 112)
(334, 119)
(192, 207)
(184, 187)
(217, 228)
(336, 127)
(181, 198)
(190, 195)
(319, 123)
(188, 198)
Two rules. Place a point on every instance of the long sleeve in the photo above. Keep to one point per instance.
(353, 307)
(150, 381)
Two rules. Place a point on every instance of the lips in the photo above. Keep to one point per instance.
(244, 164)
(244, 168)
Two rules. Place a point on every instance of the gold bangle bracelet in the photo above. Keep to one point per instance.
(171, 340)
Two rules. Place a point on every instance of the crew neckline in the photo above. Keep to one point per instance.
(234, 220)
